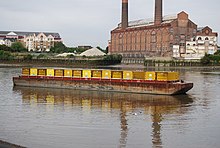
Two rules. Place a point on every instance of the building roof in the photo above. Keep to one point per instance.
(20, 33)
(92, 52)
(149, 21)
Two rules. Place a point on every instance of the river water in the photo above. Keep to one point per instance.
(42, 118)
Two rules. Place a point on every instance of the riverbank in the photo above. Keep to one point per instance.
(4, 144)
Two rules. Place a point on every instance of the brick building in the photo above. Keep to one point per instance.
(136, 40)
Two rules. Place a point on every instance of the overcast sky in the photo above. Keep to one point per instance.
(89, 22)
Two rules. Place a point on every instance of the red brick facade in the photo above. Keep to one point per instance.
(148, 39)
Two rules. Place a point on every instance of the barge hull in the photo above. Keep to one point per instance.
(129, 86)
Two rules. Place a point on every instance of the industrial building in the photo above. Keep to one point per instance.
(163, 36)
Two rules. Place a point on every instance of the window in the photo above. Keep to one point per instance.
(153, 36)
(206, 38)
(200, 38)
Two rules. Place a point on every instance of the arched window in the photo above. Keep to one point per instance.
(199, 38)
(188, 44)
(206, 38)
(153, 36)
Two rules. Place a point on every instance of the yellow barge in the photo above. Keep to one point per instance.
(166, 83)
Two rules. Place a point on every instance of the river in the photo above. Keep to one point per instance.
(36, 117)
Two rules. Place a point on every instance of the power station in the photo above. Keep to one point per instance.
(163, 36)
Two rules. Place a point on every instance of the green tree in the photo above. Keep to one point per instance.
(217, 52)
(5, 55)
(59, 47)
(28, 57)
(206, 59)
(5, 48)
(18, 47)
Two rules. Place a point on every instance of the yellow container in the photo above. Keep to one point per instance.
(138, 75)
(86, 73)
(96, 74)
(41, 72)
(50, 72)
(167, 76)
(25, 71)
(58, 72)
(117, 74)
(150, 76)
(106, 74)
(77, 73)
(33, 72)
(68, 73)
(162, 76)
(128, 75)
(173, 76)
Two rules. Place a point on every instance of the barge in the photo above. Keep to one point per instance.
(161, 83)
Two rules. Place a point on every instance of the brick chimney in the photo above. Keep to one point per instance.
(124, 16)
(158, 12)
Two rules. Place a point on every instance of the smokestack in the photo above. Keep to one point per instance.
(124, 17)
(158, 12)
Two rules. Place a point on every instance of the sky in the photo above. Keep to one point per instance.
(89, 22)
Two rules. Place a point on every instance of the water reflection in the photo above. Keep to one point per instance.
(126, 103)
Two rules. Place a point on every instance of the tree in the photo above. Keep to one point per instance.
(59, 47)
(5, 48)
(18, 47)
(5, 55)
(206, 59)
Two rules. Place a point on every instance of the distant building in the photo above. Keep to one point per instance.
(33, 41)
(85, 47)
(204, 42)
(163, 36)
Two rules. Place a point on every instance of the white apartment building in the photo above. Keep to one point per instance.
(204, 42)
(39, 42)
(33, 41)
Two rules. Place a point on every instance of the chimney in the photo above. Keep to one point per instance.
(158, 12)
(124, 17)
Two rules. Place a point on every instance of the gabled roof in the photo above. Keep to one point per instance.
(93, 52)
(11, 34)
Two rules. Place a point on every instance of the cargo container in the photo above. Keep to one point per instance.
(139, 75)
(33, 72)
(50, 72)
(173, 76)
(41, 72)
(127, 75)
(117, 74)
(167, 76)
(77, 73)
(68, 73)
(25, 71)
(106, 74)
(86, 73)
(96, 74)
(59, 72)
(150, 76)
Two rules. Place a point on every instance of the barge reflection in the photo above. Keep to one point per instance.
(154, 105)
